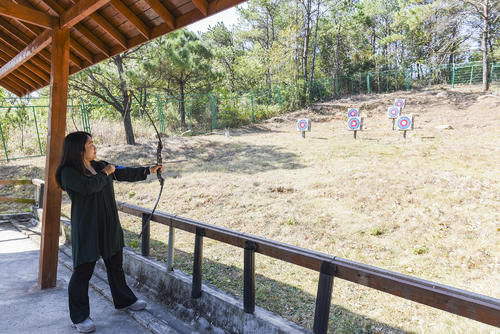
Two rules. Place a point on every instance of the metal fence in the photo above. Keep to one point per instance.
(24, 123)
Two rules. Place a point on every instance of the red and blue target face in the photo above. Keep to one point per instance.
(404, 123)
(353, 112)
(400, 103)
(303, 125)
(393, 112)
(354, 123)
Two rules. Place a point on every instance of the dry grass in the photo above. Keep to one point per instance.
(427, 206)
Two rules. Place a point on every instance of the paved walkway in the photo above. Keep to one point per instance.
(24, 308)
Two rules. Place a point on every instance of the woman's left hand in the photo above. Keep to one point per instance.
(154, 169)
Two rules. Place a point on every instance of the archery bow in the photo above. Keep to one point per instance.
(159, 148)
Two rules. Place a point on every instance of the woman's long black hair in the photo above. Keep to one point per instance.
(72, 153)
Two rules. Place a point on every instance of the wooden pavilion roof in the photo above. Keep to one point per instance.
(99, 29)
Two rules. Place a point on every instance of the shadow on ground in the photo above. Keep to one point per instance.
(213, 156)
(286, 300)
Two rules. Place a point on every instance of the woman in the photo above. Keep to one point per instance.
(95, 227)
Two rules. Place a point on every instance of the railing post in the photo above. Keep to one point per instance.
(249, 277)
(197, 263)
(145, 234)
(324, 297)
(40, 195)
(171, 242)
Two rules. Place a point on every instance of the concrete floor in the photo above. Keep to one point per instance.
(24, 308)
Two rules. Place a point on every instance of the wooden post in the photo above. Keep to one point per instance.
(249, 277)
(145, 234)
(324, 297)
(49, 245)
(197, 264)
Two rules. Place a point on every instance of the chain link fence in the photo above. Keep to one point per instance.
(23, 123)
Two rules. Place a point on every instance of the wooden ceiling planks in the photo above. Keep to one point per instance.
(100, 29)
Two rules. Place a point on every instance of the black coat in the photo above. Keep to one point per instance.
(95, 226)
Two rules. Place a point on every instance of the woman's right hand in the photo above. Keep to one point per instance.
(108, 169)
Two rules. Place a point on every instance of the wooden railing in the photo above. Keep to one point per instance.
(461, 302)
(38, 196)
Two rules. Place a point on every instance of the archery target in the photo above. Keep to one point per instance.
(393, 112)
(304, 124)
(405, 122)
(400, 103)
(352, 112)
(354, 123)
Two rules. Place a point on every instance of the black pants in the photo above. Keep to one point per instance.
(78, 288)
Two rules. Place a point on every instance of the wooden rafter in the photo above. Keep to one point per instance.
(110, 29)
(41, 42)
(202, 5)
(8, 51)
(94, 39)
(10, 88)
(129, 15)
(15, 45)
(32, 68)
(27, 14)
(26, 79)
(19, 82)
(80, 11)
(15, 86)
(163, 12)
(39, 82)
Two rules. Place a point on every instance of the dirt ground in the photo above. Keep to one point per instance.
(427, 206)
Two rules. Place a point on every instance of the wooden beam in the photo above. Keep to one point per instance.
(93, 39)
(26, 79)
(19, 82)
(129, 15)
(27, 14)
(5, 59)
(15, 86)
(202, 5)
(110, 29)
(75, 46)
(79, 11)
(23, 74)
(51, 218)
(10, 88)
(81, 51)
(29, 52)
(163, 12)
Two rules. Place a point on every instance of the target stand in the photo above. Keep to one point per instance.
(355, 124)
(405, 123)
(393, 112)
(400, 103)
(352, 112)
(304, 125)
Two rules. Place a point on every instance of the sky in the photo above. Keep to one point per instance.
(229, 17)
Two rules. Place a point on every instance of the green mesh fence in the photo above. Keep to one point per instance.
(23, 123)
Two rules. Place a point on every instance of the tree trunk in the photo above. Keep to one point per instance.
(315, 43)
(484, 45)
(127, 124)
(126, 99)
(305, 52)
